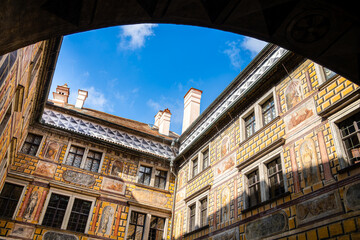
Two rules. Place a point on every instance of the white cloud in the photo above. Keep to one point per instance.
(233, 53)
(154, 105)
(96, 100)
(252, 45)
(133, 37)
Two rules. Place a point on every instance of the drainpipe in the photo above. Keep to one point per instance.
(175, 188)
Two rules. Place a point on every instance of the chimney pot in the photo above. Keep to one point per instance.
(82, 95)
(61, 95)
(164, 122)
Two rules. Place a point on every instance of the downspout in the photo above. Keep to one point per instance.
(175, 188)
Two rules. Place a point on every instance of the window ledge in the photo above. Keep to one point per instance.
(349, 168)
(151, 187)
(196, 230)
(265, 202)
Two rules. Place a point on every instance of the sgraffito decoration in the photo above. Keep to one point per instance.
(79, 178)
(352, 196)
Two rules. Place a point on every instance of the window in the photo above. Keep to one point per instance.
(197, 211)
(350, 137)
(192, 211)
(144, 175)
(152, 176)
(160, 178)
(205, 159)
(250, 125)
(157, 225)
(136, 226)
(79, 215)
(264, 178)
(6, 63)
(328, 73)
(31, 144)
(324, 74)
(203, 212)
(67, 211)
(195, 167)
(84, 158)
(5, 120)
(9, 198)
(268, 110)
(275, 178)
(93, 160)
(75, 156)
(254, 197)
(56, 210)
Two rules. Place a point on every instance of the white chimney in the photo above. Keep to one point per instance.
(191, 107)
(157, 118)
(82, 95)
(61, 95)
(164, 122)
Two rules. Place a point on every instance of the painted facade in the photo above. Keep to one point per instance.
(278, 161)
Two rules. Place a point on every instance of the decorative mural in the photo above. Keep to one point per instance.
(266, 226)
(79, 178)
(22, 231)
(33, 200)
(225, 146)
(117, 168)
(106, 220)
(51, 150)
(45, 169)
(151, 197)
(225, 165)
(50, 235)
(319, 207)
(113, 185)
(180, 195)
(309, 162)
(293, 93)
(352, 196)
(232, 234)
(225, 204)
(298, 116)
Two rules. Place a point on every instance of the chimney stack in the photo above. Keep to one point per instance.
(61, 96)
(191, 107)
(164, 122)
(157, 118)
(82, 95)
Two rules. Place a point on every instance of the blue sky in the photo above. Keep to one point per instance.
(133, 71)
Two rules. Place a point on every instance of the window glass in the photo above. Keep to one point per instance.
(79, 215)
(275, 175)
(250, 125)
(195, 167)
(31, 144)
(157, 225)
(136, 226)
(268, 110)
(55, 211)
(9, 198)
(75, 156)
(350, 135)
(160, 178)
(93, 160)
(144, 175)
(253, 188)
(192, 210)
(205, 156)
(328, 73)
(203, 212)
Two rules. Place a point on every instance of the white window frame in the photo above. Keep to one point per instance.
(148, 213)
(69, 207)
(256, 108)
(197, 203)
(336, 118)
(40, 146)
(260, 164)
(152, 179)
(199, 156)
(83, 160)
(19, 182)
